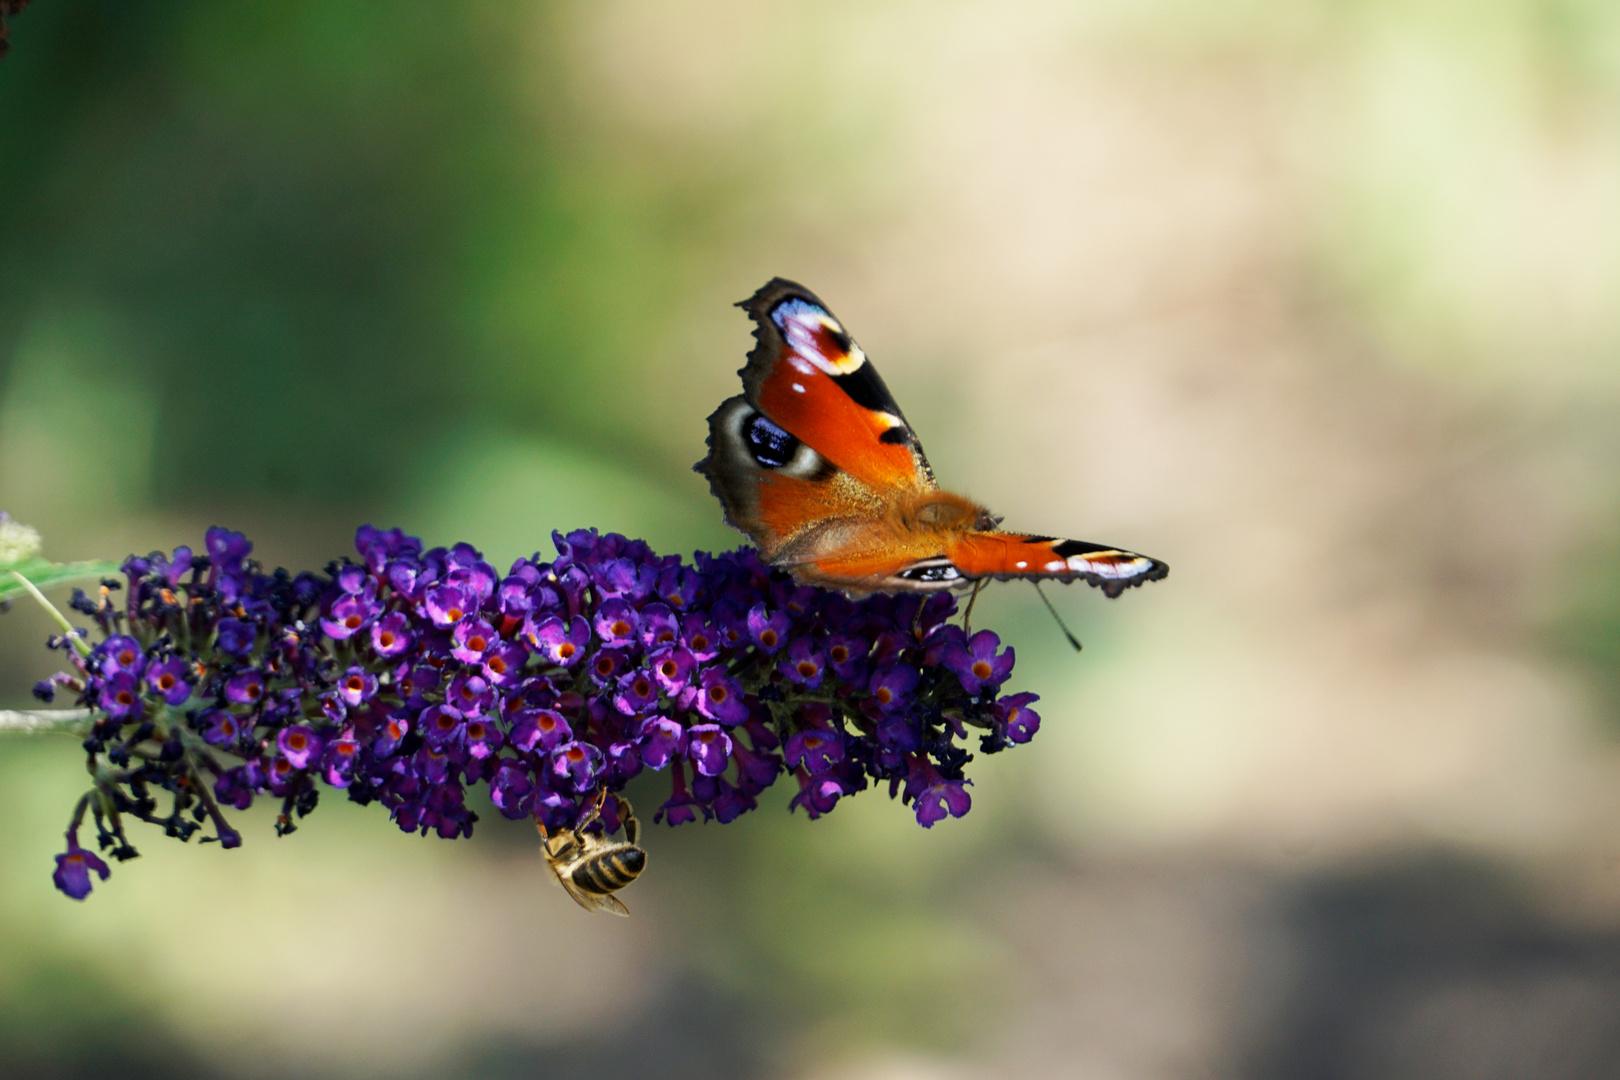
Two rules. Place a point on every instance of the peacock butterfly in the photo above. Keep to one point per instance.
(817, 465)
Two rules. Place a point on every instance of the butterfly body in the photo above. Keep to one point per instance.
(817, 465)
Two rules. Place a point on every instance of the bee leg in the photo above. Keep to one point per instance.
(632, 827)
(589, 814)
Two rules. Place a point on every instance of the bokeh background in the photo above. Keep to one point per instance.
(1318, 300)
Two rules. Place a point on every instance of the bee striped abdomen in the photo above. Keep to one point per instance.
(610, 871)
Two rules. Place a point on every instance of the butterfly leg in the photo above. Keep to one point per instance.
(967, 616)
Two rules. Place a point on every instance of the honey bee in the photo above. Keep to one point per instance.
(589, 866)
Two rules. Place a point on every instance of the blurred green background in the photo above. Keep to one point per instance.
(1318, 301)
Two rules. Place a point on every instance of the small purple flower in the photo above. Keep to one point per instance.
(638, 692)
(817, 749)
(891, 687)
(357, 687)
(246, 688)
(235, 787)
(803, 663)
(730, 802)
(673, 669)
(544, 729)
(504, 664)
(121, 696)
(617, 624)
(680, 807)
(679, 586)
(279, 775)
(349, 615)
(512, 789)
(391, 635)
(167, 679)
(469, 693)
(483, 738)
(720, 698)
(235, 637)
(1021, 721)
(576, 763)
(606, 666)
(846, 655)
(121, 654)
(946, 797)
(218, 727)
(299, 745)
(977, 665)
(352, 579)
(661, 740)
(623, 578)
(226, 549)
(73, 869)
(818, 794)
(757, 768)
(340, 761)
(768, 629)
(394, 730)
(441, 726)
(447, 605)
(701, 639)
(471, 639)
(563, 645)
(659, 627)
(709, 747)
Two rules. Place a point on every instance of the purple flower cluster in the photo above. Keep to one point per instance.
(410, 676)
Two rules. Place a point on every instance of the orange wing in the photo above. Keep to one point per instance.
(814, 450)
(816, 463)
(1005, 556)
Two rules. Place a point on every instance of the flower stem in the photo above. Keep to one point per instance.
(68, 628)
(66, 721)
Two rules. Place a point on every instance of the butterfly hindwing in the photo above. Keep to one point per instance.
(1006, 556)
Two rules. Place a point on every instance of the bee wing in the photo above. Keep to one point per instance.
(610, 904)
(604, 902)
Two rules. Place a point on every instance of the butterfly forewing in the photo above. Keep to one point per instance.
(817, 464)
(810, 378)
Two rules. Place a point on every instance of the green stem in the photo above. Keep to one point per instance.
(67, 721)
(61, 620)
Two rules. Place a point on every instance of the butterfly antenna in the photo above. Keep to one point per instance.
(967, 616)
(1072, 639)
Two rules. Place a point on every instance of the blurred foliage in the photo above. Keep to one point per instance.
(315, 229)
